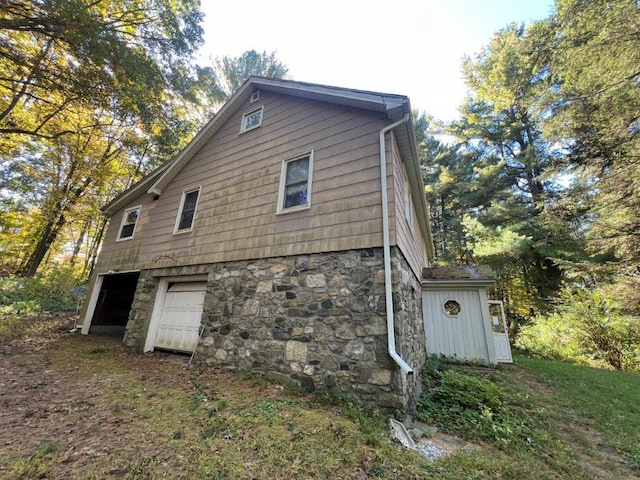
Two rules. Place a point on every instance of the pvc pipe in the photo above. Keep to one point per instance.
(386, 249)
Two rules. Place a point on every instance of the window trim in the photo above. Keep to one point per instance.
(283, 178)
(243, 127)
(185, 192)
(120, 238)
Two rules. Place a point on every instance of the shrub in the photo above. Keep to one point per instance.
(478, 405)
(48, 292)
(587, 328)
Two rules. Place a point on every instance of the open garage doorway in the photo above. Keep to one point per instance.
(108, 312)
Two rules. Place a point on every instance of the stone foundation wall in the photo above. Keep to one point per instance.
(409, 325)
(317, 319)
(140, 314)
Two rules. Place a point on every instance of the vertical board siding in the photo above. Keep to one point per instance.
(464, 336)
(240, 174)
(409, 240)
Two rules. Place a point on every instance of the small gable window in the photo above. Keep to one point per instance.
(187, 212)
(295, 183)
(129, 221)
(251, 120)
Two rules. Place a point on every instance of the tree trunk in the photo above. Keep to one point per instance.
(90, 261)
(78, 243)
(47, 238)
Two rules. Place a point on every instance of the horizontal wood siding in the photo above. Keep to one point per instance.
(240, 174)
(408, 238)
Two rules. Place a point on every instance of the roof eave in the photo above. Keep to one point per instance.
(133, 192)
(407, 145)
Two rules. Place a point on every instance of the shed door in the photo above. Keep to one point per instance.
(500, 331)
(454, 324)
(181, 316)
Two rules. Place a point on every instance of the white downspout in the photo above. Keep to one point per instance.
(386, 249)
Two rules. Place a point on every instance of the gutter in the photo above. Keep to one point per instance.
(391, 338)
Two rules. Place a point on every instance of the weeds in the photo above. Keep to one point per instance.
(480, 405)
(37, 464)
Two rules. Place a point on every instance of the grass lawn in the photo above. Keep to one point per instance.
(606, 400)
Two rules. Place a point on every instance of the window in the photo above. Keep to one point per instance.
(129, 221)
(452, 308)
(251, 120)
(184, 222)
(255, 96)
(295, 183)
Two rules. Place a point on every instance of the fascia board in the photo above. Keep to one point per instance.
(459, 283)
(132, 192)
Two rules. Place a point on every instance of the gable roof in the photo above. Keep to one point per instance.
(394, 106)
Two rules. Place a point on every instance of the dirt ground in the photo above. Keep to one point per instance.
(51, 399)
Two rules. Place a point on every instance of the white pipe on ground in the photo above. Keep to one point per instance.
(386, 249)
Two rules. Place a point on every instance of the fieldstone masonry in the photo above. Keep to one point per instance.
(316, 319)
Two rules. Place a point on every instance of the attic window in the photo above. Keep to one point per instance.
(251, 120)
(295, 183)
(255, 96)
(129, 221)
(187, 211)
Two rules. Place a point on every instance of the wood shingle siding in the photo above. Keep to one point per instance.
(240, 174)
(408, 239)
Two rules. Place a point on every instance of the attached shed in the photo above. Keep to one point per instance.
(456, 316)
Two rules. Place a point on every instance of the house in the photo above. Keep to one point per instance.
(289, 237)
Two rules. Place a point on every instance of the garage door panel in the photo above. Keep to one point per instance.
(181, 317)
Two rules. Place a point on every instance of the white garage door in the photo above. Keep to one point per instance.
(181, 316)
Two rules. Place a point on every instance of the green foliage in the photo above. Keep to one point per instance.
(480, 405)
(37, 465)
(87, 90)
(592, 111)
(543, 182)
(49, 292)
(233, 71)
(587, 328)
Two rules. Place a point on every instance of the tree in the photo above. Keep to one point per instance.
(120, 55)
(233, 71)
(85, 87)
(65, 172)
(509, 181)
(446, 173)
(595, 114)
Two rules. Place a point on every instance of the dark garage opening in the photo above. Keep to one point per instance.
(114, 304)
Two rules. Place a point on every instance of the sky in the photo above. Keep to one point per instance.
(407, 47)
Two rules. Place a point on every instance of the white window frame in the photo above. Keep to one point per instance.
(120, 238)
(283, 179)
(253, 111)
(185, 192)
(255, 96)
